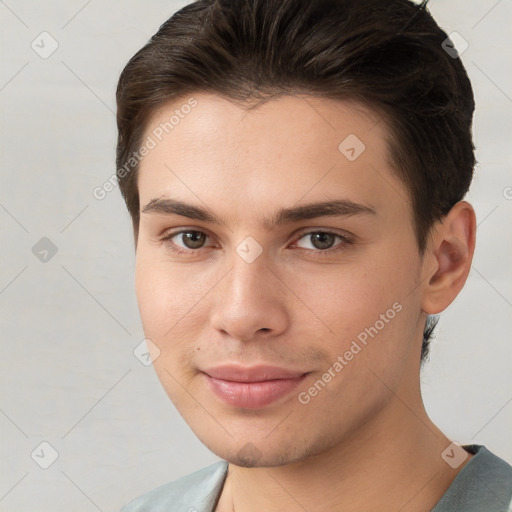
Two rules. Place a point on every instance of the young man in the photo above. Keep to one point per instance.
(295, 171)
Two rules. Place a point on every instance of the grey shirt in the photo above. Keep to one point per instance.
(483, 485)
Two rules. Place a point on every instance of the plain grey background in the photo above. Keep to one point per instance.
(68, 317)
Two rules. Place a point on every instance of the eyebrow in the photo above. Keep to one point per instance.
(331, 208)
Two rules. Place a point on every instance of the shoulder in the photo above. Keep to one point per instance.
(484, 483)
(196, 492)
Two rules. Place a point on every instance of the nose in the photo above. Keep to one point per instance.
(250, 302)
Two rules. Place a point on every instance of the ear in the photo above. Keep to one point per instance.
(448, 257)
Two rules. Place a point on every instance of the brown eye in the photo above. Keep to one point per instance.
(185, 240)
(192, 239)
(321, 240)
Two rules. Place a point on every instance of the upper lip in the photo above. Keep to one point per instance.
(260, 373)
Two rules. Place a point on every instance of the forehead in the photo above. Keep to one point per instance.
(305, 122)
(285, 150)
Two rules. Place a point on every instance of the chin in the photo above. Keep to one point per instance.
(263, 454)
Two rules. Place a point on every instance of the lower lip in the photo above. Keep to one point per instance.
(252, 395)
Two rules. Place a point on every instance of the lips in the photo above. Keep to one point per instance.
(252, 387)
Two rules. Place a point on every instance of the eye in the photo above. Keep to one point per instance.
(190, 240)
(322, 241)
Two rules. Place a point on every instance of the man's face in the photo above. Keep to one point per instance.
(331, 303)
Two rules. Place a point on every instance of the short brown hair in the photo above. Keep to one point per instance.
(387, 54)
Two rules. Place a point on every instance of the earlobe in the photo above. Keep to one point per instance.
(451, 250)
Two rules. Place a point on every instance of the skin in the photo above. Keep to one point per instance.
(365, 441)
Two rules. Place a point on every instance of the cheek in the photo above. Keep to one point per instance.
(349, 299)
(166, 297)
(153, 301)
(369, 308)
(173, 303)
(164, 293)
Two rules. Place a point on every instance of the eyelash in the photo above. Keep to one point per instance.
(345, 241)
